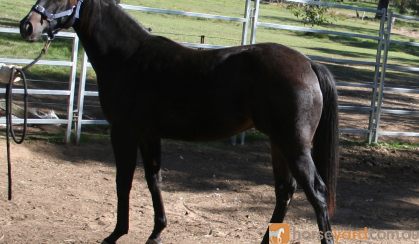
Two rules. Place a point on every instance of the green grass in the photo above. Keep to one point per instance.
(389, 144)
(12, 45)
(94, 137)
(13, 11)
(222, 33)
(397, 145)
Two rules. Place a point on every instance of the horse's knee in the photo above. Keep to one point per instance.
(284, 190)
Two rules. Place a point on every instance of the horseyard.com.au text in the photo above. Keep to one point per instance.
(281, 233)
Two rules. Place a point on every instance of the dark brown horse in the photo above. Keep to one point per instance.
(152, 88)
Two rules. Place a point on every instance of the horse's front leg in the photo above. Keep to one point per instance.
(150, 150)
(125, 146)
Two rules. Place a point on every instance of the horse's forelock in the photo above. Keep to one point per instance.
(72, 2)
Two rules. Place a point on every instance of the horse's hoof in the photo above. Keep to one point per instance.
(107, 242)
(153, 241)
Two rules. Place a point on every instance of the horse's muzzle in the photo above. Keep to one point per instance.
(32, 26)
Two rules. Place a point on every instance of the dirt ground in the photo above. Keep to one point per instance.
(214, 193)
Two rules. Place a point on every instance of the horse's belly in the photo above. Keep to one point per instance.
(203, 126)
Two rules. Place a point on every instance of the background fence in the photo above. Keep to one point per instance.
(376, 111)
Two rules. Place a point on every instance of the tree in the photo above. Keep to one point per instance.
(310, 14)
(405, 5)
(414, 5)
(382, 4)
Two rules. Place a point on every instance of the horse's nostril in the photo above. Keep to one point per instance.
(26, 29)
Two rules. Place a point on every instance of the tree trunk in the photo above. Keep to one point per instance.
(382, 4)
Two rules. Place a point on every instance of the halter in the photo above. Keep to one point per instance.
(74, 10)
(50, 16)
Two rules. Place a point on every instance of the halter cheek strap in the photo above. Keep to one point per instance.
(77, 15)
(50, 16)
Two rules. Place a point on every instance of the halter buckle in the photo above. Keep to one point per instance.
(39, 8)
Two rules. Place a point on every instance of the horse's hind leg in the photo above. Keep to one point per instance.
(305, 172)
(125, 148)
(150, 151)
(285, 186)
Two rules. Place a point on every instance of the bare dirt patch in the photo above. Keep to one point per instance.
(214, 193)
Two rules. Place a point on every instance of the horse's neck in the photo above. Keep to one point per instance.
(108, 34)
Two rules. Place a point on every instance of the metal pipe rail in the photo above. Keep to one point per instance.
(311, 30)
(182, 13)
(398, 133)
(383, 89)
(405, 17)
(341, 61)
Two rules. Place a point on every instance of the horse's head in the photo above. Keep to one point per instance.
(49, 16)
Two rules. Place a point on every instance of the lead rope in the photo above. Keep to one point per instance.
(9, 116)
(43, 51)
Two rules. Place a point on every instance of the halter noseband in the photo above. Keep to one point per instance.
(50, 16)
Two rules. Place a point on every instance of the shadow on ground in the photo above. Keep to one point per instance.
(378, 187)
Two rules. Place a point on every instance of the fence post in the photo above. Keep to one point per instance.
(254, 17)
(72, 87)
(372, 119)
(248, 17)
(383, 73)
(246, 23)
(80, 100)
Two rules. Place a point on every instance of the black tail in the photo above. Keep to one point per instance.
(326, 139)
